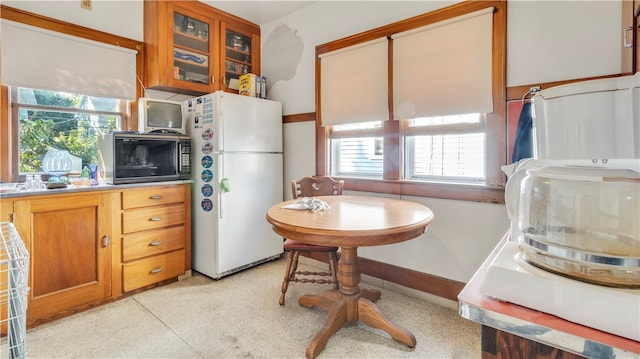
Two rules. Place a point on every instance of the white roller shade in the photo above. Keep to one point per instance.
(38, 58)
(353, 84)
(444, 68)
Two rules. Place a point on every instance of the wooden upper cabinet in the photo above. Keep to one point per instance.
(180, 48)
(240, 47)
(188, 44)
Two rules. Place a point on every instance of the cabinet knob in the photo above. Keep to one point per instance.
(156, 270)
(105, 241)
(155, 197)
(155, 243)
(154, 219)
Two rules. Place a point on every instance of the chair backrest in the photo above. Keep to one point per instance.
(316, 186)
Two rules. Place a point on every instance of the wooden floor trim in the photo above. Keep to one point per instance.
(442, 287)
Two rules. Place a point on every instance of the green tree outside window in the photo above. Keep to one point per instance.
(72, 122)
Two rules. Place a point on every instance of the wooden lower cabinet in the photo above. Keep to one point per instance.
(156, 233)
(69, 242)
(90, 248)
(6, 210)
(151, 270)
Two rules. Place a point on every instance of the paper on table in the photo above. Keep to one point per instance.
(314, 204)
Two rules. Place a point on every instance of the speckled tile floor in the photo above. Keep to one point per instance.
(239, 317)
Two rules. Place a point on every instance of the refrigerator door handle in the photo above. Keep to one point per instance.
(223, 186)
(220, 133)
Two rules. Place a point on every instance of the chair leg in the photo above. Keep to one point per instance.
(333, 267)
(292, 265)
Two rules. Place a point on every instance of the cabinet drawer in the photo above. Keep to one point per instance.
(135, 220)
(152, 270)
(148, 243)
(152, 196)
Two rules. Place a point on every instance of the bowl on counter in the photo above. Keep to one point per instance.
(81, 182)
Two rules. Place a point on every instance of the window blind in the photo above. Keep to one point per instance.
(353, 84)
(444, 68)
(43, 59)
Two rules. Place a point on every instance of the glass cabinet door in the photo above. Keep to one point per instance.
(191, 49)
(238, 61)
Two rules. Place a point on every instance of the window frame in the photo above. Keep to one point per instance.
(15, 104)
(9, 156)
(441, 129)
(374, 133)
(495, 122)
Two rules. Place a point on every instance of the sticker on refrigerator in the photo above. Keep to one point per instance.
(207, 190)
(206, 175)
(207, 148)
(206, 161)
(206, 205)
(207, 134)
(204, 109)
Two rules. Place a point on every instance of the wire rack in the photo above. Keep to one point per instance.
(14, 271)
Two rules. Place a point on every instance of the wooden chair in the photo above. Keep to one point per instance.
(311, 187)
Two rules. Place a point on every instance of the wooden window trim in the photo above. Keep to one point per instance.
(516, 92)
(496, 121)
(8, 125)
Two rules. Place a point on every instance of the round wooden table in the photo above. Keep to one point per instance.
(351, 222)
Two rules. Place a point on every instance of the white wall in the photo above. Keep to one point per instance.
(456, 243)
(562, 40)
(299, 152)
(122, 18)
(547, 41)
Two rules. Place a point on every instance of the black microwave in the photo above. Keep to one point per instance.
(130, 157)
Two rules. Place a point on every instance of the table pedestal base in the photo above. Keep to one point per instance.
(350, 305)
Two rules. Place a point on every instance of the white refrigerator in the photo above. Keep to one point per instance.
(237, 175)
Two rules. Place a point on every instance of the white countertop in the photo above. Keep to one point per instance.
(534, 324)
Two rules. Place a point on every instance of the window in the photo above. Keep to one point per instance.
(357, 150)
(89, 89)
(445, 149)
(445, 132)
(437, 149)
(65, 121)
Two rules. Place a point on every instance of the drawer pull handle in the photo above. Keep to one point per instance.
(155, 197)
(157, 270)
(155, 243)
(154, 219)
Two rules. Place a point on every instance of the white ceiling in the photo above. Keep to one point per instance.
(258, 12)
